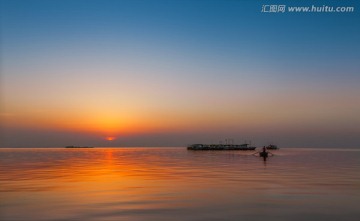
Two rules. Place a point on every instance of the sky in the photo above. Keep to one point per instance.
(172, 73)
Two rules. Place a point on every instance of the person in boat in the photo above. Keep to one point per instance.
(264, 149)
(264, 153)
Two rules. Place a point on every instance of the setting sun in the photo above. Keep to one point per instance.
(110, 138)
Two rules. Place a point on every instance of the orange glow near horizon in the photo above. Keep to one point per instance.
(108, 122)
(102, 123)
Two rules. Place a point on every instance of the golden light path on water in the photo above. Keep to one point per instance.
(176, 184)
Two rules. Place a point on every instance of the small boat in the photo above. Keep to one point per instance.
(272, 147)
(263, 154)
(78, 147)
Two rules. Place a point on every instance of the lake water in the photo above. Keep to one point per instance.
(163, 184)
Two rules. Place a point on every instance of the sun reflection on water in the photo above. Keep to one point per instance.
(170, 183)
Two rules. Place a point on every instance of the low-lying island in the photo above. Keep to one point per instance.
(78, 147)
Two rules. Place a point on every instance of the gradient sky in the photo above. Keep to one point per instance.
(171, 73)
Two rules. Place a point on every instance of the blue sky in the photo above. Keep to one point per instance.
(179, 71)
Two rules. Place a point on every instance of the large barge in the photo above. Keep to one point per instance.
(244, 146)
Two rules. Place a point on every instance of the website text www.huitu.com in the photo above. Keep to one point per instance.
(306, 9)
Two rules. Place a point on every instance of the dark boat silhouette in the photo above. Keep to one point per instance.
(263, 154)
(244, 146)
(272, 147)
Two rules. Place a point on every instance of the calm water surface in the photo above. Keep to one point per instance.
(136, 184)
